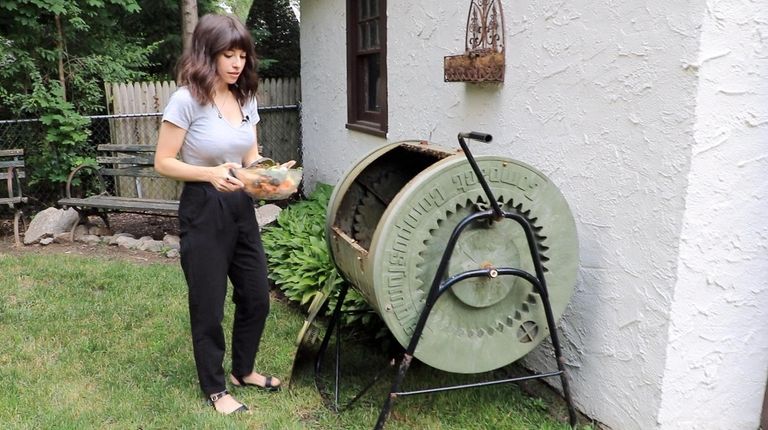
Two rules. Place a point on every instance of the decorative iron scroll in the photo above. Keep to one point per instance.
(483, 58)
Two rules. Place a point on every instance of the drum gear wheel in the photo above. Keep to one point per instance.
(389, 222)
(482, 323)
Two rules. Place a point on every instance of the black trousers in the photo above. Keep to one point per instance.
(220, 239)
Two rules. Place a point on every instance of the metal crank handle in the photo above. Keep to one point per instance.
(482, 137)
(476, 135)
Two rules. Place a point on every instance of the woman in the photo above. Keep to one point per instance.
(211, 121)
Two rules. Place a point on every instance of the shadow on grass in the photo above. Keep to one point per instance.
(367, 369)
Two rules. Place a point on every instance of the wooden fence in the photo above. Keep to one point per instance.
(151, 97)
(136, 107)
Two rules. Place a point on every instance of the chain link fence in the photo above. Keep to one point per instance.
(279, 137)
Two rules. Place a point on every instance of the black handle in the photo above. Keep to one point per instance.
(476, 135)
(482, 137)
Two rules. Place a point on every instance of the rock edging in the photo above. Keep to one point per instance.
(50, 226)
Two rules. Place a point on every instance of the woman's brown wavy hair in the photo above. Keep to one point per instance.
(213, 35)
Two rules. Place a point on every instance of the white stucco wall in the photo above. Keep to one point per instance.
(599, 95)
(718, 338)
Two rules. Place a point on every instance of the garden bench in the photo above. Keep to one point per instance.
(11, 172)
(124, 169)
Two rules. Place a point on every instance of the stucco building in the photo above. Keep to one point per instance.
(652, 119)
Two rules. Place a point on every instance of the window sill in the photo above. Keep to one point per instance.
(367, 127)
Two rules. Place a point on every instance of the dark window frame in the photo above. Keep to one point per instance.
(358, 116)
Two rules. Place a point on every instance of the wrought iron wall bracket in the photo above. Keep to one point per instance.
(483, 58)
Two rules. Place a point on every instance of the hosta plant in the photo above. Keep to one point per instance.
(299, 261)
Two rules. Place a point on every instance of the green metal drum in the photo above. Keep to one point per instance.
(389, 220)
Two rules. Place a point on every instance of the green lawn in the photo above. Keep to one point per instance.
(95, 343)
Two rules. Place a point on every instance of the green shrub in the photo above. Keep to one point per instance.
(299, 261)
(64, 143)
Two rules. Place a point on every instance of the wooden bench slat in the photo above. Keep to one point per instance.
(126, 148)
(123, 201)
(17, 199)
(138, 200)
(105, 198)
(127, 159)
(124, 204)
(11, 152)
(136, 171)
(17, 174)
(11, 163)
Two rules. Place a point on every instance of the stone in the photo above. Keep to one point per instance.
(172, 241)
(112, 240)
(148, 244)
(80, 231)
(127, 242)
(50, 222)
(61, 238)
(99, 230)
(90, 239)
(267, 214)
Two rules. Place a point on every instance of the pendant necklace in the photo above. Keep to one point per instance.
(218, 111)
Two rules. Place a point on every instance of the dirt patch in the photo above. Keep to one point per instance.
(136, 224)
(143, 225)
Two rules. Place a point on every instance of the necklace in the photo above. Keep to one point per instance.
(226, 102)
(218, 111)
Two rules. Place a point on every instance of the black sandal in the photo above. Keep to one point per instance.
(213, 398)
(266, 387)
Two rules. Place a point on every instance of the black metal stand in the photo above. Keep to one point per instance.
(437, 289)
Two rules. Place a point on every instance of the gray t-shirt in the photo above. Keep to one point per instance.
(210, 140)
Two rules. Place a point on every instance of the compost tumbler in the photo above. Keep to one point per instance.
(389, 220)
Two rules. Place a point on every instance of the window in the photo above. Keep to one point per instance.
(367, 66)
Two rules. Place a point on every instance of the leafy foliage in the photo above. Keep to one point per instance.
(84, 43)
(237, 7)
(72, 42)
(277, 37)
(299, 262)
(64, 141)
(55, 56)
(158, 24)
(64, 145)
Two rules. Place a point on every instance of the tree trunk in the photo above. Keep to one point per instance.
(60, 51)
(188, 21)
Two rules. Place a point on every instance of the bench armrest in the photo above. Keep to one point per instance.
(77, 169)
(12, 177)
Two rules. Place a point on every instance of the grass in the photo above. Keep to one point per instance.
(94, 343)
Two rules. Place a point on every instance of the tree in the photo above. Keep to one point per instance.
(78, 45)
(279, 46)
(159, 24)
(68, 47)
(188, 21)
(237, 7)
(55, 56)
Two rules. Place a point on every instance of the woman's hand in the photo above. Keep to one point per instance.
(223, 181)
